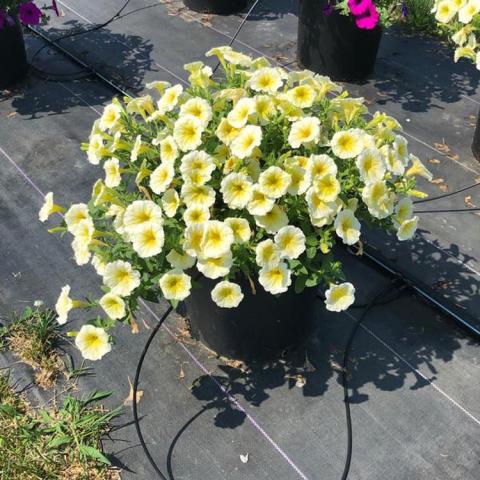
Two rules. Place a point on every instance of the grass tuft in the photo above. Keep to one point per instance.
(420, 20)
(62, 443)
(33, 336)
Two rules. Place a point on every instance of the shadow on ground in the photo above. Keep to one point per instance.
(124, 59)
(443, 268)
(423, 339)
(419, 73)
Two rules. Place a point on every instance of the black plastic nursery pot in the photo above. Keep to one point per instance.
(223, 7)
(333, 45)
(260, 328)
(476, 140)
(13, 58)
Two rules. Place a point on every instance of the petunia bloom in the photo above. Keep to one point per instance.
(29, 13)
(369, 19)
(3, 18)
(359, 7)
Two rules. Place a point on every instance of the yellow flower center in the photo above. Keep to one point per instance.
(346, 142)
(93, 340)
(265, 81)
(337, 294)
(226, 293)
(276, 275)
(305, 131)
(174, 283)
(274, 181)
(319, 169)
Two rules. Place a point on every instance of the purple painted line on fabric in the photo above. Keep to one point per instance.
(189, 353)
(21, 172)
(230, 397)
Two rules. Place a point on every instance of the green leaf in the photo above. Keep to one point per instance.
(300, 284)
(8, 410)
(60, 440)
(97, 395)
(93, 453)
(311, 252)
(311, 241)
(294, 263)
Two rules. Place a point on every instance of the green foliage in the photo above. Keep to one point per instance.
(33, 336)
(420, 20)
(61, 443)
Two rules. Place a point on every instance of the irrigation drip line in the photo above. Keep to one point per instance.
(345, 372)
(451, 210)
(373, 303)
(242, 23)
(377, 300)
(80, 62)
(135, 390)
(61, 77)
(445, 195)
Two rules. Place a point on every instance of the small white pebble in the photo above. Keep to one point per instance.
(38, 303)
(244, 458)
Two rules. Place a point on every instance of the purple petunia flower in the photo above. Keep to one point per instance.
(369, 19)
(55, 7)
(359, 7)
(29, 13)
(404, 9)
(3, 18)
(328, 9)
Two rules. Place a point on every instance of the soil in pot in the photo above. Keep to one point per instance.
(260, 328)
(13, 58)
(333, 45)
(222, 7)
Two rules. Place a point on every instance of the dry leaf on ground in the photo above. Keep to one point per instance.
(468, 201)
(442, 147)
(129, 399)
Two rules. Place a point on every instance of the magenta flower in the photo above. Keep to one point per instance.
(55, 7)
(328, 9)
(3, 18)
(369, 19)
(359, 7)
(29, 13)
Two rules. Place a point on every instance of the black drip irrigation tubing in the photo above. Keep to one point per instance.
(396, 286)
(399, 278)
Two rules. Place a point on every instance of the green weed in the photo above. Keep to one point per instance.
(62, 443)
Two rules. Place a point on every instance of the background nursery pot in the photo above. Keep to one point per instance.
(333, 45)
(216, 6)
(13, 58)
(260, 328)
(476, 140)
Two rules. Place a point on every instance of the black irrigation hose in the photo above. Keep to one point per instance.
(135, 389)
(452, 210)
(86, 66)
(371, 304)
(445, 195)
(344, 375)
(252, 8)
(385, 301)
(374, 302)
(53, 76)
